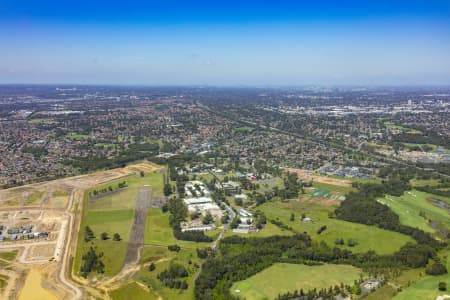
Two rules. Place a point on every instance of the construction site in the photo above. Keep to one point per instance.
(39, 226)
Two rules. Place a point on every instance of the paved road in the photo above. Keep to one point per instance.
(138, 228)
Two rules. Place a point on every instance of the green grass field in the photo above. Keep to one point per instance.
(388, 291)
(119, 221)
(126, 197)
(427, 286)
(113, 221)
(162, 258)
(411, 204)
(154, 253)
(132, 291)
(120, 199)
(368, 237)
(113, 213)
(159, 232)
(282, 278)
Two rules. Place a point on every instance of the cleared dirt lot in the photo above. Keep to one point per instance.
(41, 252)
(50, 207)
(307, 175)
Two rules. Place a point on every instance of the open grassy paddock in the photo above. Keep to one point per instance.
(116, 200)
(159, 232)
(412, 203)
(162, 258)
(266, 185)
(112, 213)
(281, 278)
(119, 221)
(368, 237)
(133, 291)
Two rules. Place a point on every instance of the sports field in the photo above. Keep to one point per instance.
(368, 237)
(281, 278)
(412, 204)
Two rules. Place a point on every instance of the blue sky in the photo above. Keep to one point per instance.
(268, 43)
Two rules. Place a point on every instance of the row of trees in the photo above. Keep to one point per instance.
(110, 188)
(89, 235)
(330, 293)
(233, 264)
(134, 152)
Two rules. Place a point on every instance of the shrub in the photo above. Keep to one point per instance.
(116, 237)
(174, 248)
(322, 229)
(436, 269)
(352, 242)
(152, 267)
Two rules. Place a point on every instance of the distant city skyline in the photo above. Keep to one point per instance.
(256, 43)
